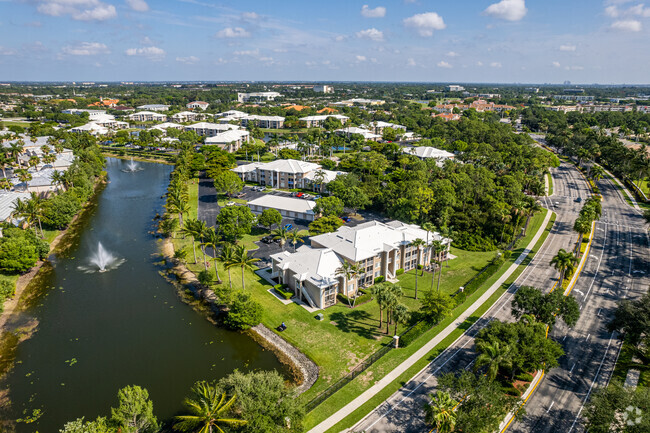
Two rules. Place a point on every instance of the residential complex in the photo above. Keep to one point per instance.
(289, 207)
(186, 116)
(147, 116)
(230, 140)
(273, 122)
(197, 105)
(287, 173)
(207, 129)
(258, 96)
(317, 121)
(323, 89)
(154, 107)
(378, 249)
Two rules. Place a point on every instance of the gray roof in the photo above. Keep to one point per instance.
(7, 200)
(316, 265)
(291, 204)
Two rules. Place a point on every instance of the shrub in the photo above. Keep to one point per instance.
(511, 390)
(17, 255)
(526, 377)
(60, 209)
(205, 277)
(7, 290)
(415, 332)
(400, 271)
(380, 279)
(244, 312)
(280, 289)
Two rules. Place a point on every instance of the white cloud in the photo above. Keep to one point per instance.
(81, 10)
(638, 10)
(479, 63)
(452, 54)
(443, 64)
(573, 68)
(86, 49)
(340, 38)
(425, 23)
(250, 16)
(151, 53)
(611, 11)
(230, 32)
(378, 12)
(361, 58)
(252, 53)
(627, 25)
(567, 47)
(189, 60)
(556, 64)
(411, 62)
(495, 64)
(6, 51)
(372, 34)
(509, 10)
(138, 5)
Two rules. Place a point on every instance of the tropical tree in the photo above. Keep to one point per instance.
(583, 227)
(429, 227)
(192, 229)
(495, 355)
(5, 162)
(597, 172)
(381, 295)
(564, 262)
(348, 271)
(244, 261)
(295, 238)
(436, 306)
(16, 149)
(440, 412)
(24, 176)
(207, 409)
(58, 178)
(418, 244)
(281, 234)
(213, 241)
(227, 257)
(178, 202)
(401, 314)
(393, 296)
(437, 248)
(5, 184)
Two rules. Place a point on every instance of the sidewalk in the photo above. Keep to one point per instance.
(431, 344)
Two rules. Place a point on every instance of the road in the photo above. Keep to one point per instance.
(617, 268)
(402, 412)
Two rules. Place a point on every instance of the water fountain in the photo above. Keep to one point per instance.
(132, 167)
(102, 261)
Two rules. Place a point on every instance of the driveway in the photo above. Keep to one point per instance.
(208, 207)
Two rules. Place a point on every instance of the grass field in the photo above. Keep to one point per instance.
(550, 183)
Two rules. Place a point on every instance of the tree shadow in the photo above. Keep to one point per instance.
(358, 322)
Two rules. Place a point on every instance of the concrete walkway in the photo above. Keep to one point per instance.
(431, 344)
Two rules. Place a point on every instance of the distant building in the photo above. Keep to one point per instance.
(257, 96)
(455, 88)
(198, 104)
(427, 152)
(323, 89)
(579, 98)
(317, 121)
(272, 122)
(147, 116)
(230, 140)
(289, 207)
(154, 107)
(187, 116)
(287, 174)
(207, 129)
(379, 126)
(352, 130)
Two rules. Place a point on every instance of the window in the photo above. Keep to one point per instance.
(376, 273)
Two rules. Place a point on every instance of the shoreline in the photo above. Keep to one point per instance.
(160, 160)
(12, 305)
(303, 369)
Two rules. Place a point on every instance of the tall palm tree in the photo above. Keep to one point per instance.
(295, 238)
(16, 149)
(213, 240)
(597, 172)
(401, 314)
(531, 207)
(36, 208)
(436, 248)
(495, 355)
(418, 244)
(192, 230)
(441, 412)
(227, 257)
(564, 262)
(393, 296)
(430, 228)
(58, 178)
(282, 234)
(34, 161)
(583, 227)
(5, 163)
(177, 202)
(5, 184)
(24, 176)
(244, 261)
(348, 271)
(380, 293)
(207, 409)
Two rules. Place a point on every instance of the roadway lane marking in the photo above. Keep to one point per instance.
(549, 408)
(587, 337)
(572, 367)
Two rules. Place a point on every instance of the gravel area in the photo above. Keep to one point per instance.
(308, 368)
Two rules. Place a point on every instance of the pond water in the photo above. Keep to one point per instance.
(98, 332)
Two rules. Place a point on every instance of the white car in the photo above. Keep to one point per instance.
(230, 203)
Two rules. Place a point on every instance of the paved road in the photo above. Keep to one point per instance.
(208, 208)
(402, 412)
(618, 267)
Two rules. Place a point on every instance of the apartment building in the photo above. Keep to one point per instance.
(187, 116)
(200, 105)
(287, 174)
(257, 96)
(317, 121)
(323, 89)
(147, 116)
(207, 129)
(230, 140)
(378, 249)
(154, 107)
(271, 122)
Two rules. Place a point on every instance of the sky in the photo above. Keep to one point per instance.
(491, 41)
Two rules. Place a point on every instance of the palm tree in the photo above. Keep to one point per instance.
(192, 230)
(495, 355)
(429, 227)
(5, 184)
(201, 232)
(436, 248)
(177, 202)
(34, 161)
(227, 257)
(583, 227)
(441, 412)
(5, 162)
(348, 271)
(295, 238)
(243, 260)
(597, 172)
(16, 149)
(564, 262)
(207, 408)
(401, 314)
(393, 296)
(58, 178)
(531, 207)
(36, 208)
(281, 233)
(380, 292)
(24, 176)
(417, 243)
(213, 240)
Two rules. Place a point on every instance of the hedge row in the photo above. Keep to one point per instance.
(280, 289)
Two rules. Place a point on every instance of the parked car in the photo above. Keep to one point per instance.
(288, 226)
(578, 200)
(267, 239)
(316, 197)
(346, 219)
(240, 195)
(299, 194)
(230, 203)
(306, 196)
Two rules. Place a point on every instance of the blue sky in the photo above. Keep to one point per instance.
(526, 41)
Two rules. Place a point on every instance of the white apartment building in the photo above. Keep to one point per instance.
(147, 116)
(455, 88)
(317, 121)
(323, 89)
(198, 105)
(257, 96)
(287, 174)
(153, 107)
(207, 129)
(230, 140)
(426, 152)
(187, 116)
(272, 122)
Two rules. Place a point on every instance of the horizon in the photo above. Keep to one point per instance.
(409, 41)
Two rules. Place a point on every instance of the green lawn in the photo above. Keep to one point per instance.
(550, 184)
(346, 336)
(644, 186)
